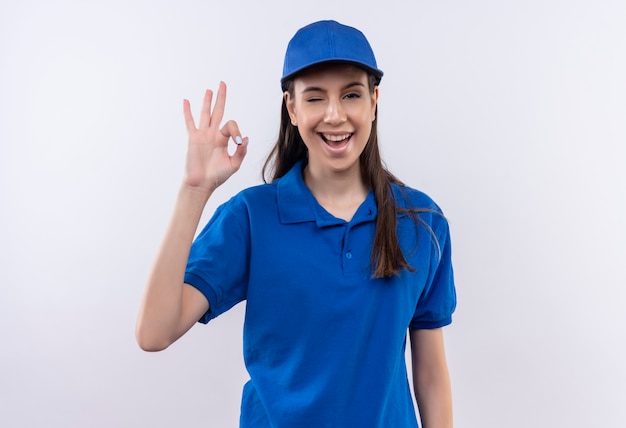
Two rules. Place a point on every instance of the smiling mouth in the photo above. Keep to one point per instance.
(335, 139)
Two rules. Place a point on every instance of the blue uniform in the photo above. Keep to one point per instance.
(324, 343)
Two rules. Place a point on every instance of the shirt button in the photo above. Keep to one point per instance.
(348, 255)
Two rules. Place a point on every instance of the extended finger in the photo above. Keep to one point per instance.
(189, 122)
(220, 103)
(205, 113)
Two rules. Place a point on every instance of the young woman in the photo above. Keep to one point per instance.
(335, 258)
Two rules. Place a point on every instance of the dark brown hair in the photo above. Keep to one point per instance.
(387, 258)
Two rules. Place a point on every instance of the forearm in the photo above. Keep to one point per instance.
(161, 312)
(434, 399)
(431, 379)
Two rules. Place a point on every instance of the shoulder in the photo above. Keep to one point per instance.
(415, 204)
(255, 194)
(409, 198)
(248, 201)
(237, 213)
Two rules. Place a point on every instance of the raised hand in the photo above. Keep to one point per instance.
(208, 162)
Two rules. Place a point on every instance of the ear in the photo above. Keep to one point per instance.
(289, 102)
(374, 102)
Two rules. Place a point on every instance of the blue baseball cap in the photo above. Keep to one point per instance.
(328, 41)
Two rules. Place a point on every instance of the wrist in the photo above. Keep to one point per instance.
(194, 194)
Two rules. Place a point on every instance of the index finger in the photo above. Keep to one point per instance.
(218, 109)
(231, 130)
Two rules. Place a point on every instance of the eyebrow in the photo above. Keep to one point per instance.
(318, 89)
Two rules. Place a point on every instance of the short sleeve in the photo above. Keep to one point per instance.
(438, 300)
(219, 259)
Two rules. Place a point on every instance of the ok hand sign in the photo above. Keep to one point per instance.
(208, 162)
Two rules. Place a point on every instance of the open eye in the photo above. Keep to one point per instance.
(352, 95)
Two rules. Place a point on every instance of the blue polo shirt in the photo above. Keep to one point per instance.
(324, 343)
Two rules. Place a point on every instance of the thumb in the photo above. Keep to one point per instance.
(239, 154)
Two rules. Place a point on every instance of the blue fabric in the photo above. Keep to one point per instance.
(323, 342)
(326, 41)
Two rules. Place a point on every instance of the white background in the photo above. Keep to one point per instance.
(510, 114)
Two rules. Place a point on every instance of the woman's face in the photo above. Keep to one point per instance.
(333, 108)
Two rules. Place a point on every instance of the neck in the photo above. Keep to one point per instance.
(339, 192)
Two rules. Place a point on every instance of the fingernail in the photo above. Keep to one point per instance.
(238, 140)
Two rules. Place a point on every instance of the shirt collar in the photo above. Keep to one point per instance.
(296, 203)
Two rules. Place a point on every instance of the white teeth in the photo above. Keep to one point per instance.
(336, 137)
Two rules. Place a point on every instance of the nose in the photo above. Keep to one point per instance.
(335, 113)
